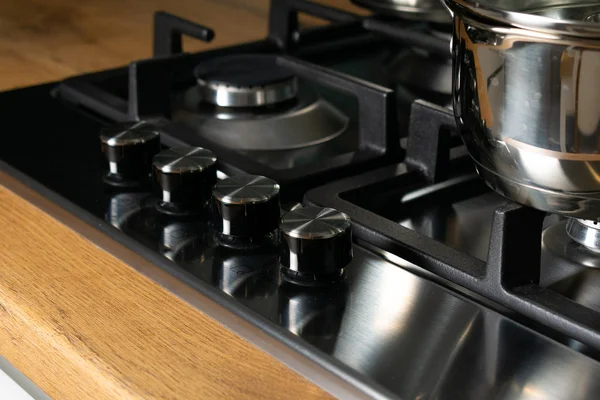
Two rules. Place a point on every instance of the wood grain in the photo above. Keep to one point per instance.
(75, 320)
(81, 324)
(45, 40)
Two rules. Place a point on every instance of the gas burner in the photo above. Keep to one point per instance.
(570, 254)
(585, 232)
(562, 256)
(250, 80)
(570, 266)
(249, 103)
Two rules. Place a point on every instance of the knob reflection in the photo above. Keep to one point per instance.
(248, 275)
(133, 214)
(315, 314)
(183, 241)
(122, 206)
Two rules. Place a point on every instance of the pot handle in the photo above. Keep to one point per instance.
(447, 7)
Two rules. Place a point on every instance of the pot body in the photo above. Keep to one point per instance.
(527, 104)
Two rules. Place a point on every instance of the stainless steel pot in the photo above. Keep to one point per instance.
(526, 87)
(428, 10)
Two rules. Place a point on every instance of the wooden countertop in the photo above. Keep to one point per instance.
(74, 319)
(46, 40)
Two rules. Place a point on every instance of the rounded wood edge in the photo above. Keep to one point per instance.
(82, 324)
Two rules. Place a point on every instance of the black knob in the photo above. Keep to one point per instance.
(129, 148)
(246, 206)
(316, 245)
(185, 177)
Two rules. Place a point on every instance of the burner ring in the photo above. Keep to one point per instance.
(245, 81)
(585, 232)
(252, 96)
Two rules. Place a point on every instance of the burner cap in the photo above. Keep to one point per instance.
(585, 232)
(251, 80)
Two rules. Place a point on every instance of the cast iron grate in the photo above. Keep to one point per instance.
(509, 276)
(144, 89)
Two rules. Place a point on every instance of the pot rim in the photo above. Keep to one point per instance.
(524, 20)
(430, 10)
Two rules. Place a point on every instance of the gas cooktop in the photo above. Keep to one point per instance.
(313, 185)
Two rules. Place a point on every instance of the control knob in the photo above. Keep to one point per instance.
(245, 207)
(316, 245)
(185, 177)
(129, 148)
